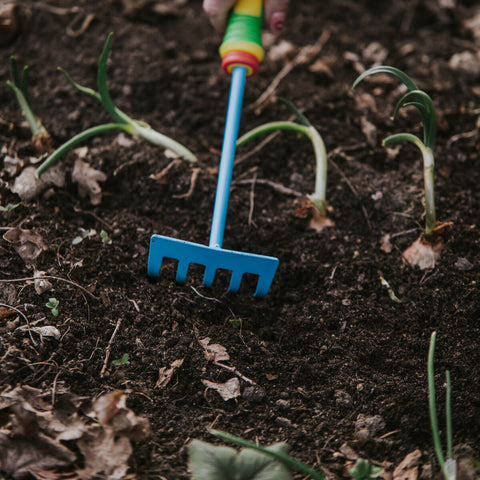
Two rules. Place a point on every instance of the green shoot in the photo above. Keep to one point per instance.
(10, 207)
(122, 361)
(52, 304)
(364, 470)
(419, 99)
(318, 197)
(447, 467)
(121, 121)
(19, 86)
(106, 240)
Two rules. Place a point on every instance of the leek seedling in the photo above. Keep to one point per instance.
(426, 249)
(448, 466)
(304, 127)
(121, 120)
(19, 85)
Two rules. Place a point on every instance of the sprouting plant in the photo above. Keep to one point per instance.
(10, 207)
(106, 240)
(364, 470)
(19, 86)
(448, 467)
(84, 233)
(422, 101)
(426, 249)
(121, 120)
(121, 361)
(52, 304)
(304, 127)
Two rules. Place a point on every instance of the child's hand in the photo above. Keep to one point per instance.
(275, 13)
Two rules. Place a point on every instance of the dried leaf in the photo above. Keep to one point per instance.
(41, 284)
(408, 468)
(27, 186)
(45, 331)
(214, 352)
(228, 390)
(87, 179)
(27, 243)
(369, 130)
(165, 373)
(423, 253)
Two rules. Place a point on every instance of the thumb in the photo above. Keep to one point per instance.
(217, 12)
(275, 14)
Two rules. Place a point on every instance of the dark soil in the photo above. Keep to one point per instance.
(327, 343)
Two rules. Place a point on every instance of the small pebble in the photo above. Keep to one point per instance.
(254, 393)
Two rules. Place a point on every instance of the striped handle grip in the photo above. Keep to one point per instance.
(242, 43)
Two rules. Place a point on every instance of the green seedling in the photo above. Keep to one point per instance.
(10, 207)
(304, 128)
(364, 470)
(121, 361)
(448, 466)
(52, 304)
(426, 249)
(106, 240)
(121, 121)
(19, 86)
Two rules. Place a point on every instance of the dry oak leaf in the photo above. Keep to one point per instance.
(87, 179)
(408, 468)
(27, 186)
(165, 374)
(214, 352)
(228, 390)
(27, 243)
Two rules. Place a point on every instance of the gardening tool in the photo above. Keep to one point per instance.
(241, 52)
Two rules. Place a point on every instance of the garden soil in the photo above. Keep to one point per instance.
(333, 361)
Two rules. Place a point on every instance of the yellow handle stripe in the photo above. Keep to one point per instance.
(249, 7)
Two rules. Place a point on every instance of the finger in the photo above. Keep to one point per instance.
(217, 12)
(275, 14)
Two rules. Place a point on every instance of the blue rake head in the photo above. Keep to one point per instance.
(213, 259)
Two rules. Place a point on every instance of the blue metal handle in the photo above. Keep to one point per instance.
(227, 157)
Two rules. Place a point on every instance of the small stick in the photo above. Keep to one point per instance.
(193, 183)
(252, 201)
(51, 277)
(278, 187)
(236, 372)
(24, 317)
(109, 348)
(305, 55)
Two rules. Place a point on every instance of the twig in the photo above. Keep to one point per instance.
(236, 372)
(193, 182)
(252, 201)
(88, 19)
(24, 317)
(305, 55)
(109, 347)
(51, 277)
(278, 187)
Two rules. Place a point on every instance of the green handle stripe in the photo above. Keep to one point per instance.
(243, 28)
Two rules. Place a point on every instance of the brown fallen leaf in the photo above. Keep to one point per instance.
(165, 374)
(87, 179)
(214, 352)
(318, 221)
(28, 244)
(27, 186)
(408, 468)
(228, 390)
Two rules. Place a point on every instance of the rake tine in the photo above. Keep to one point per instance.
(182, 271)
(208, 276)
(235, 281)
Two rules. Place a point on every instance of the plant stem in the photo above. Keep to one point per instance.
(161, 140)
(433, 407)
(285, 459)
(80, 137)
(448, 414)
(428, 175)
(36, 127)
(319, 195)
